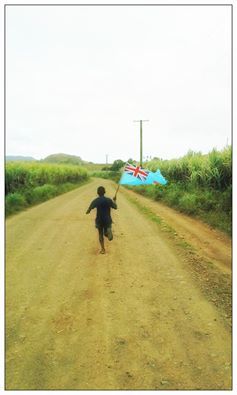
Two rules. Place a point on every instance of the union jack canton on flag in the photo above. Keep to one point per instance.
(138, 172)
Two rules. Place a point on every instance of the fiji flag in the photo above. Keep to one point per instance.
(135, 175)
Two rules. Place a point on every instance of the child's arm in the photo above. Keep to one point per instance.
(113, 203)
(92, 205)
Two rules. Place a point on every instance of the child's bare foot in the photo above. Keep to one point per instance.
(102, 251)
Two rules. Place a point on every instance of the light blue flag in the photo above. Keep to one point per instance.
(135, 175)
(155, 178)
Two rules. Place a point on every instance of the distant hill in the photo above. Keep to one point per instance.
(20, 158)
(64, 159)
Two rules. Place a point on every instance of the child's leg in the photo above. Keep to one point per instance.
(101, 239)
(109, 233)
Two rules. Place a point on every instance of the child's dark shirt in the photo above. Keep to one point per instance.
(103, 206)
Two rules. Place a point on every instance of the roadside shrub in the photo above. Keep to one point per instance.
(14, 202)
(44, 192)
(152, 191)
(225, 202)
(142, 190)
(158, 193)
(66, 187)
(30, 183)
(172, 195)
(206, 200)
(187, 203)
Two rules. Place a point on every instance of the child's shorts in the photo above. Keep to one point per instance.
(105, 231)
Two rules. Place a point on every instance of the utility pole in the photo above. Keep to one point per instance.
(141, 120)
(106, 159)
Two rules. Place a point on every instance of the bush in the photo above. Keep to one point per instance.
(226, 200)
(44, 192)
(172, 194)
(188, 203)
(158, 193)
(116, 166)
(15, 202)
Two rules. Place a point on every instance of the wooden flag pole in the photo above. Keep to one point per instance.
(115, 196)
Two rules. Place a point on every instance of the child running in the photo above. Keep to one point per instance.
(103, 221)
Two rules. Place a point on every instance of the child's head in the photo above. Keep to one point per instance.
(101, 191)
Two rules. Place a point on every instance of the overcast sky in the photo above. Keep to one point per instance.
(77, 77)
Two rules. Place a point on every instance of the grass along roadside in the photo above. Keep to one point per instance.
(215, 285)
(23, 199)
(27, 184)
(163, 226)
(211, 206)
(198, 184)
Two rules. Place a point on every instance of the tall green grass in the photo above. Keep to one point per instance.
(213, 170)
(199, 185)
(27, 175)
(31, 183)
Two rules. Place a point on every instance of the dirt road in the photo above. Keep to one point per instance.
(134, 318)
